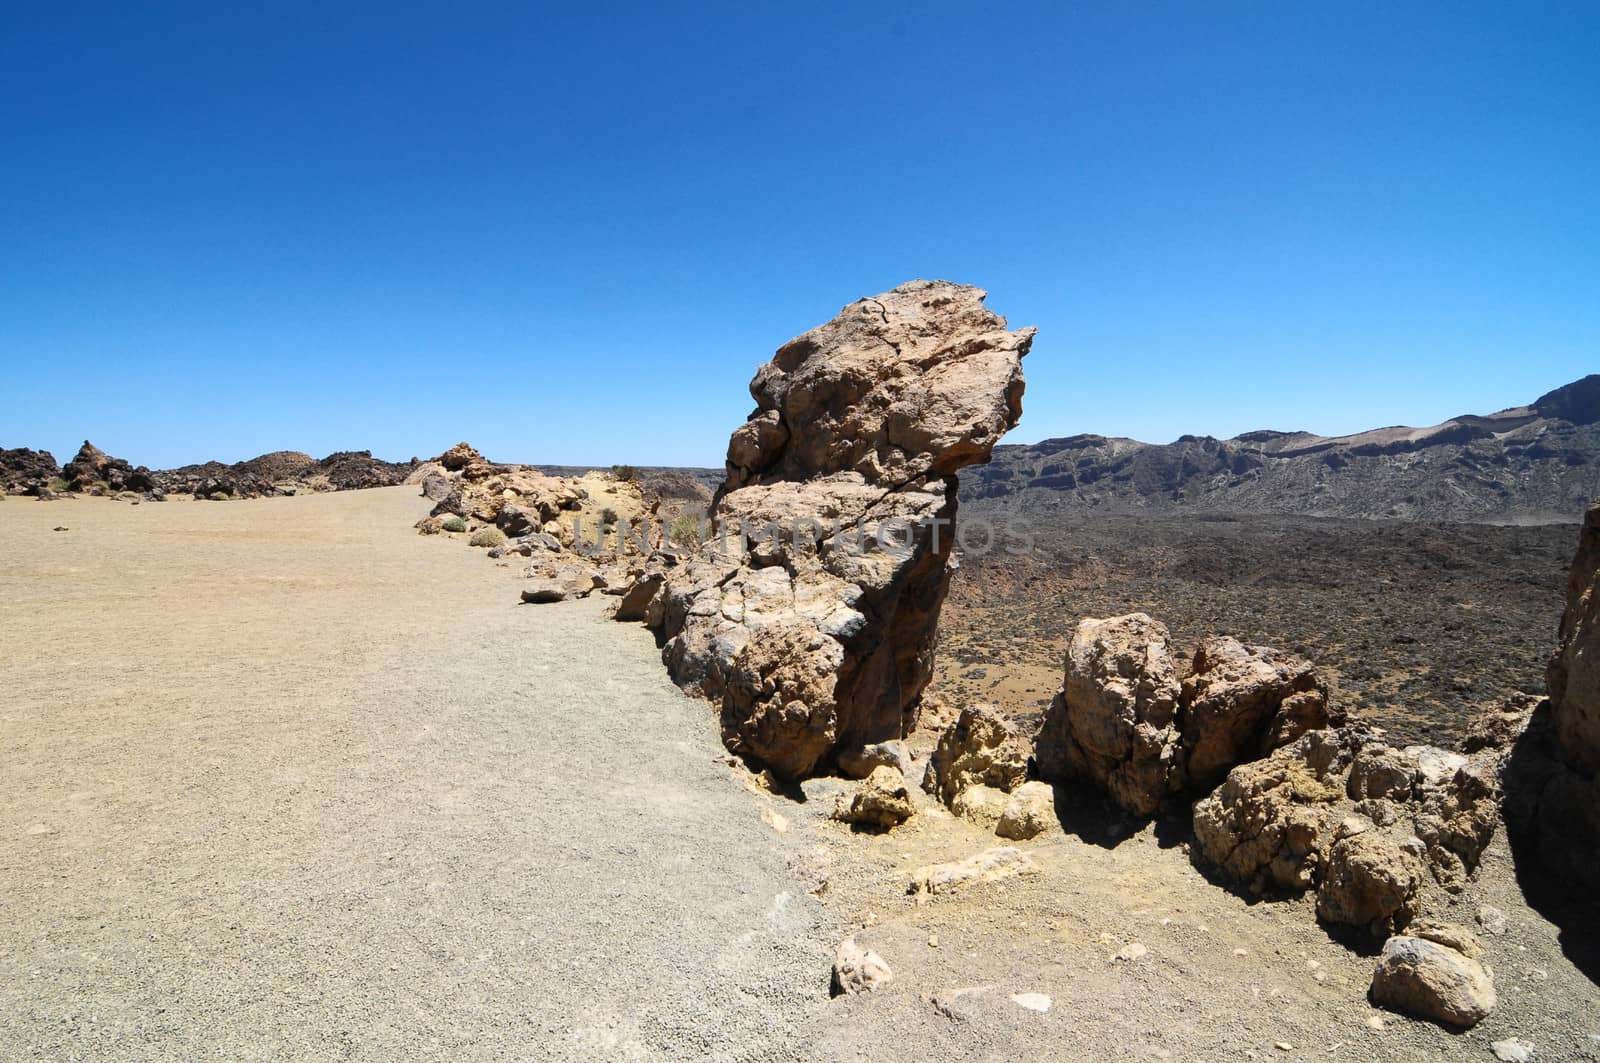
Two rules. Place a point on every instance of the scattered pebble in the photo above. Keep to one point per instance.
(1492, 919)
(1241, 952)
(40, 828)
(933, 941)
(1032, 1001)
(1284, 1046)
(1511, 1050)
(1132, 953)
(774, 819)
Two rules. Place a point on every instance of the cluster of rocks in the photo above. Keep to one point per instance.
(285, 472)
(28, 472)
(1125, 722)
(94, 472)
(817, 646)
(516, 511)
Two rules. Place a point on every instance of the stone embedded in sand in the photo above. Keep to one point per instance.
(990, 865)
(1113, 722)
(1431, 980)
(858, 970)
(882, 800)
(819, 638)
(980, 749)
(1028, 813)
(859, 763)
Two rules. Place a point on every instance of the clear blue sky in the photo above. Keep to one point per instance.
(570, 236)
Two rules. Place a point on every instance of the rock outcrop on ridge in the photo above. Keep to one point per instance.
(810, 619)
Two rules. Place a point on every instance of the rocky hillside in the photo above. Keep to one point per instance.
(1534, 462)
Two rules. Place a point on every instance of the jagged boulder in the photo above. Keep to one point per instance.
(459, 457)
(1241, 702)
(980, 749)
(1114, 721)
(1269, 821)
(1427, 974)
(27, 472)
(1369, 882)
(810, 617)
(1552, 778)
(93, 471)
(1574, 675)
(882, 800)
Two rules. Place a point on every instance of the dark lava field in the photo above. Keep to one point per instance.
(1415, 625)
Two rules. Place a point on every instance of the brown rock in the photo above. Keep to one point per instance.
(1241, 702)
(824, 641)
(980, 749)
(1369, 882)
(882, 801)
(459, 457)
(1113, 723)
(1431, 980)
(1574, 675)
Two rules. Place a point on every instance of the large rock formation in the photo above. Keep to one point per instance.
(27, 472)
(93, 471)
(1125, 723)
(1114, 722)
(1363, 824)
(1574, 676)
(1553, 778)
(811, 618)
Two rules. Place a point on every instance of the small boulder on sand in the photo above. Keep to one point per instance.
(1432, 980)
(858, 970)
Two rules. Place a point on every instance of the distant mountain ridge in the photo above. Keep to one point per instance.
(1535, 462)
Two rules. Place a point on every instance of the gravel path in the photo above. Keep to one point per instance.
(284, 780)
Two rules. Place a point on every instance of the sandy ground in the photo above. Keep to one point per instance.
(284, 780)
(287, 781)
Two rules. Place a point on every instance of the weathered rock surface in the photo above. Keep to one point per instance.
(27, 472)
(1241, 702)
(980, 749)
(1431, 980)
(1123, 721)
(1363, 824)
(823, 641)
(882, 800)
(990, 865)
(1028, 812)
(1552, 777)
(93, 471)
(1114, 721)
(857, 969)
(859, 763)
(1574, 676)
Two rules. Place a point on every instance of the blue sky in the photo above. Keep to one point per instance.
(570, 236)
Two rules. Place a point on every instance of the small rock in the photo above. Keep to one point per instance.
(858, 970)
(1492, 919)
(774, 819)
(1028, 812)
(933, 941)
(60, 528)
(1432, 981)
(1032, 1001)
(1283, 1046)
(1512, 1050)
(956, 1004)
(882, 801)
(859, 763)
(1131, 953)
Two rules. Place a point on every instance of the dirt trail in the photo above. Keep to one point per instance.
(284, 780)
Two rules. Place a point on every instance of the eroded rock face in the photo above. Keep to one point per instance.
(93, 471)
(1241, 702)
(1363, 824)
(979, 749)
(1125, 723)
(1552, 777)
(1114, 721)
(24, 471)
(1574, 675)
(820, 641)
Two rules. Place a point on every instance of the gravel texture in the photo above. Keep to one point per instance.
(284, 780)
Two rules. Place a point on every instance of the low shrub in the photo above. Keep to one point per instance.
(487, 537)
